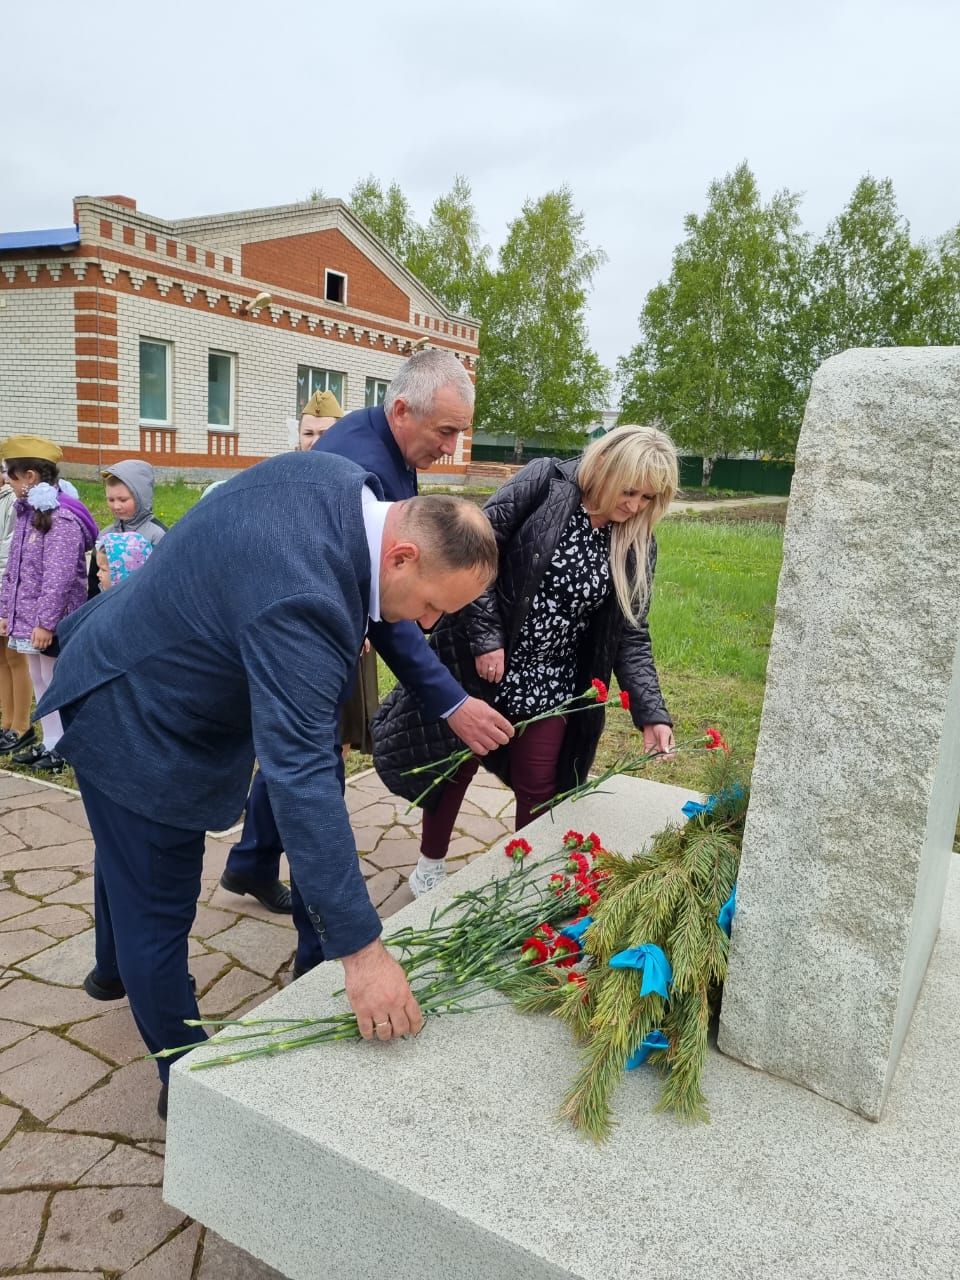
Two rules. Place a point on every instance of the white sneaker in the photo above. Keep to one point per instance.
(426, 875)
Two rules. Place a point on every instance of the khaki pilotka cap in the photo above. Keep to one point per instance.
(30, 447)
(323, 404)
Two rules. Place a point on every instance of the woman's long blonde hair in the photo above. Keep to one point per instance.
(630, 457)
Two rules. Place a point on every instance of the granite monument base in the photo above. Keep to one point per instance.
(442, 1158)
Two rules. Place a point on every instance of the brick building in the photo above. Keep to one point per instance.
(129, 336)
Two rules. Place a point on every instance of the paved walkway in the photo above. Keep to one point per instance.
(726, 504)
(81, 1146)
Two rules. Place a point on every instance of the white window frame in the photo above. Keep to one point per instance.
(168, 347)
(327, 273)
(371, 378)
(232, 357)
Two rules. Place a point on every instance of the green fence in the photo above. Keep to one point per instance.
(751, 475)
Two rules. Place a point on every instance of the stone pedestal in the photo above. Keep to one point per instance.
(857, 777)
(441, 1158)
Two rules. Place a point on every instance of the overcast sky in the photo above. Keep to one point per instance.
(206, 107)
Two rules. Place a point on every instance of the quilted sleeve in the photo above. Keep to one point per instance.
(635, 669)
(507, 510)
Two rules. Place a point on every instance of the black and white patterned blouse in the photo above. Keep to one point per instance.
(543, 665)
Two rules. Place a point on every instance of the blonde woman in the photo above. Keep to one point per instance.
(577, 558)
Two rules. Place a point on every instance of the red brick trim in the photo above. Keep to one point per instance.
(98, 370)
(95, 300)
(98, 391)
(158, 441)
(95, 322)
(106, 347)
(95, 435)
(98, 413)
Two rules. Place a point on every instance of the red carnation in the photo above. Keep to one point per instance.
(577, 979)
(572, 840)
(545, 931)
(566, 952)
(534, 951)
(518, 849)
(601, 689)
(715, 740)
(624, 699)
(559, 883)
(578, 862)
(594, 842)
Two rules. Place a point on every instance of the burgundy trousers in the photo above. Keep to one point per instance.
(533, 772)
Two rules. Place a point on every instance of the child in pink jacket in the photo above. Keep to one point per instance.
(45, 578)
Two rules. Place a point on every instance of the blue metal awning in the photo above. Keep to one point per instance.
(53, 238)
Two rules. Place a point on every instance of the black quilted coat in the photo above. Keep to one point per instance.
(528, 514)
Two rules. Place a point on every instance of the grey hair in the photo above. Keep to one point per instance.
(418, 380)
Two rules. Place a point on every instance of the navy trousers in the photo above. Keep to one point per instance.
(257, 855)
(146, 886)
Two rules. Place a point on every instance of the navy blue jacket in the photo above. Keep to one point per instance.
(236, 639)
(365, 437)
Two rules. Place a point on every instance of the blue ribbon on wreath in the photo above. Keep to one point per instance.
(577, 929)
(726, 912)
(652, 961)
(693, 808)
(652, 1041)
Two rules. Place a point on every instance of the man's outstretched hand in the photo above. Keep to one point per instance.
(380, 995)
(480, 726)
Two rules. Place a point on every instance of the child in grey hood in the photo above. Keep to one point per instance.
(130, 499)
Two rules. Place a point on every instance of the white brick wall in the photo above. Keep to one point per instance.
(38, 384)
(266, 372)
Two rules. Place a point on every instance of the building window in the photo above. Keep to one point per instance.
(334, 286)
(376, 392)
(311, 380)
(220, 382)
(156, 365)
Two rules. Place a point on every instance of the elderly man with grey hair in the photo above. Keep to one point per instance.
(428, 405)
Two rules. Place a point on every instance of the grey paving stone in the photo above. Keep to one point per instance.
(233, 989)
(258, 945)
(222, 1259)
(40, 829)
(9, 1118)
(14, 904)
(36, 1159)
(40, 883)
(173, 1260)
(124, 1166)
(395, 853)
(112, 1035)
(44, 1073)
(105, 1229)
(22, 1217)
(379, 886)
(60, 920)
(26, 1000)
(77, 854)
(65, 964)
(19, 944)
(125, 1103)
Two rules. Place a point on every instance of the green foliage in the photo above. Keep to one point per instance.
(729, 342)
(716, 362)
(868, 278)
(537, 375)
(537, 372)
(670, 896)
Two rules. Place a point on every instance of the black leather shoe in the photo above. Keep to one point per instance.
(103, 988)
(274, 896)
(47, 762)
(10, 740)
(31, 754)
(162, 1103)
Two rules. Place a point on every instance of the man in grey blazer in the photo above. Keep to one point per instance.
(238, 639)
